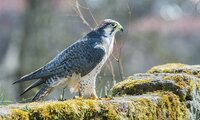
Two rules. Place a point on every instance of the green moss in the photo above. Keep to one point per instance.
(167, 106)
(143, 109)
(198, 85)
(111, 111)
(17, 114)
(128, 86)
(170, 102)
(180, 68)
(70, 109)
(167, 68)
(56, 111)
(183, 81)
(75, 110)
(182, 85)
(157, 105)
(176, 68)
(150, 99)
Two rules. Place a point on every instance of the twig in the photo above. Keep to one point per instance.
(112, 69)
(119, 61)
(115, 57)
(78, 11)
(92, 17)
(121, 66)
(129, 17)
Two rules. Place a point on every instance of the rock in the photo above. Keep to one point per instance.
(168, 91)
(182, 85)
(159, 105)
(176, 68)
(182, 80)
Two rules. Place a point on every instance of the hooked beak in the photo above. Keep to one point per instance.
(121, 28)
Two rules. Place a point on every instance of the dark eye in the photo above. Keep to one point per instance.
(113, 24)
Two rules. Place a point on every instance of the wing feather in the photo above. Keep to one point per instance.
(81, 57)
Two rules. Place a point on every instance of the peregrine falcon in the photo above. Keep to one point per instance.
(77, 66)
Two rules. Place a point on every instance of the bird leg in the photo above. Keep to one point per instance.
(62, 95)
(79, 92)
(87, 89)
(93, 96)
(79, 95)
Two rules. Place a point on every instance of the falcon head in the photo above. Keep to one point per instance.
(109, 27)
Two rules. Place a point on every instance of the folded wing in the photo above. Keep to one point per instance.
(81, 58)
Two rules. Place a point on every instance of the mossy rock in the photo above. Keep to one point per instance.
(194, 70)
(182, 85)
(170, 91)
(176, 68)
(183, 80)
(158, 105)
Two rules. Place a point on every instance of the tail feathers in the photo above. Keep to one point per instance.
(35, 84)
(44, 91)
(18, 81)
(34, 75)
(24, 78)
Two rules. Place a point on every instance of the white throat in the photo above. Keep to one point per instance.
(108, 43)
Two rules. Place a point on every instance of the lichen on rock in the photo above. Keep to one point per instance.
(170, 91)
(181, 84)
(194, 104)
(176, 68)
(164, 105)
(183, 80)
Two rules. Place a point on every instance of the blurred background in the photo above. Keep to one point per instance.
(32, 32)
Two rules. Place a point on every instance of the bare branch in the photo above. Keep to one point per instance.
(120, 66)
(112, 69)
(78, 11)
(115, 57)
(129, 17)
(92, 17)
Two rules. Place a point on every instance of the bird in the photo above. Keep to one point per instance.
(77, 66)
